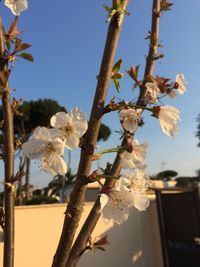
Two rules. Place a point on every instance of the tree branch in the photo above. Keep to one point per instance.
(75, 207)
(93, 217)
(8, 163)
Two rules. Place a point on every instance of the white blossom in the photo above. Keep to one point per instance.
(71, 126)
(168, 117)
(138, 184)
(16, 6)
(115, 205)
(152, 92)
(130, 118)
(182, 83)
(138, 154)
(48, 149)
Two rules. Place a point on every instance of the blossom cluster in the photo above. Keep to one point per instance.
(47, 145)
(167, 115)
(131, 188)
(160, 85)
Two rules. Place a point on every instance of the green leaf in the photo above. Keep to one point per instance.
(117, 85)
(26, 56)
(166, 6)
(107, 8)
(118, 76)
(117, 66)
(8, 45)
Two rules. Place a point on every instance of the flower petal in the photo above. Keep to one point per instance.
(141, 201)
(129, 119)
(60, 120)
(59, 146)
(55, 165)
(115, 206)
(34, 148)
(16, 7)
(41, 133)
(72, 142)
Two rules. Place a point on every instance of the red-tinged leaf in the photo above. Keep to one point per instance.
(26, 56)
(19, 46)
(24, 46)
(137, 70)
(102, 241)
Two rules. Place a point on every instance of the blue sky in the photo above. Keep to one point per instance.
(68, 39)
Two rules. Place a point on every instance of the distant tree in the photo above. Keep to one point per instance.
(198, 136)
(37, 200)
(164, 175)
(34, 113)
(26, 118)
(187, 181)
(59, 184)
(198, 173)
(198, 129)
(104, 133)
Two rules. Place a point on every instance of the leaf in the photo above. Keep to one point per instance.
(24, 46)
(8, 45)
(26, 56)
(165, 6)
(118, 75)
(107, 8)
(137, 70)
(117, 66)
(117, 85)
(19, 46)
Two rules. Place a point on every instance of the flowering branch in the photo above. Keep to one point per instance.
(93, 217)
(8, 156)
(153, 47)
(75, 206)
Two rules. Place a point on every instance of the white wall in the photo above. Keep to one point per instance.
(134, 243)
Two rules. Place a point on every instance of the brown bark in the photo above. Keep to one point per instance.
(8, 156)
(19, 199)
(93, 217)
(75, 207)
(27, 179)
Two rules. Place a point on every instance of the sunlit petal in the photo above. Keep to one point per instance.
(16, 6)
(34, 148)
